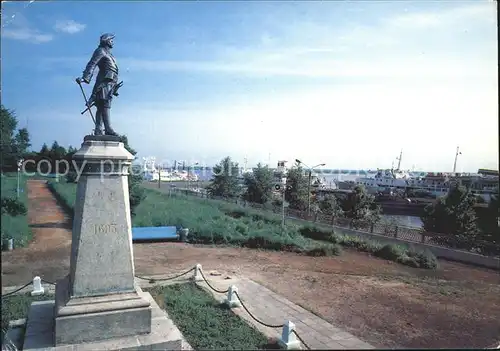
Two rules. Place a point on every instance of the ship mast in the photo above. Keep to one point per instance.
(456, 157)
(399, 160)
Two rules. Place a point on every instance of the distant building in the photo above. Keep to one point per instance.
(488, 172)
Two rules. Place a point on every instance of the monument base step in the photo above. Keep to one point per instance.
(41, 325)
(93, 318)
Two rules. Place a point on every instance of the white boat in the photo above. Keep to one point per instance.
(482, 184)
(385, 179)
(152, 173)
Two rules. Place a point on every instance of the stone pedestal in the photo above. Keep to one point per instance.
(98, 305)
(98, 299)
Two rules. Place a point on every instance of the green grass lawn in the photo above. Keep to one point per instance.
(206, 323)
(218, 222)
(16, 227)
(16, 306)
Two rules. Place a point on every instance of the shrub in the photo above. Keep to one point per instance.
(318, 233)
(408, 261)
(13, 207)
(71, 177)
(425, 259)
(327, 250)
(391, 252)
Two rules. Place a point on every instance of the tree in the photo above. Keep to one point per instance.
(488, 220)
(360, 206)
(330, 205)
(489, 223)
(22, 141)
(454, 216)
(57, 152)
(13, 145)
(259, 184)
(136, 191)
(44, 151)
(8, 125)
(296, 188)
(224, 182)
(124, 140)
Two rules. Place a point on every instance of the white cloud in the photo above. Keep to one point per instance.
(354, 126)
(390, 68)
(418, 20)
(26, 34)
(19, 28)
(325, 50)
(69, 26)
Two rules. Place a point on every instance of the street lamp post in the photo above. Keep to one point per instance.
(189, 180)
(19, 164)
(283, 181)
(309, 183)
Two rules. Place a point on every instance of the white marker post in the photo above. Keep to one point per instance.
(197, 273)
(232, 300)
(37, 287)
(288, 339)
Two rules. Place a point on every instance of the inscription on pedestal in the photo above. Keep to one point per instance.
(107, 196)
(105, 228)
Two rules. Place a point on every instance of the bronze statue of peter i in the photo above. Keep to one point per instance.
(106, 84)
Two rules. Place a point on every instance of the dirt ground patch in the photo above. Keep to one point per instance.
(382, 302)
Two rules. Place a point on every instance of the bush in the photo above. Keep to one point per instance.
(409, 257)
(71, 177)
(424, 259)
(391, 252)
(317, 233)
(327, 250)
(13, 207)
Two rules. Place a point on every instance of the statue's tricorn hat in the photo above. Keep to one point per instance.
(107, 36)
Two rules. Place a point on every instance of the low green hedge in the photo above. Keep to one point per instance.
(403, 254)
(222, 223)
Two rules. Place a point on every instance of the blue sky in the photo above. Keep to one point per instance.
(344, 83)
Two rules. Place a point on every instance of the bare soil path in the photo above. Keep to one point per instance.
(381, 302)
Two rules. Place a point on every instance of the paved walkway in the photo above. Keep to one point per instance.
(274, 309)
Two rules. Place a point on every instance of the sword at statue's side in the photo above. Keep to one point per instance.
(114, 92)
(86, 101)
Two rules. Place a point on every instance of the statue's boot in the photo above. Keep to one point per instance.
(107, 127)
(98, 124)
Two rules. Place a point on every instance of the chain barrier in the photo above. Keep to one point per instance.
(255, 318)
(166, 279)
(211, 287)
(301, 340)
(250, 313)
(16, 291)
(10, 344)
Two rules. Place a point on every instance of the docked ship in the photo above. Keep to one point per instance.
(152, 173)
(482, 184)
